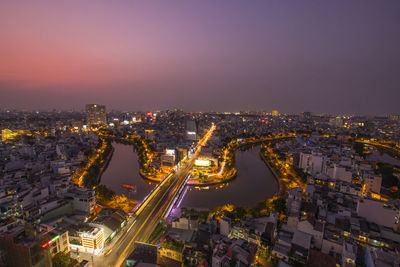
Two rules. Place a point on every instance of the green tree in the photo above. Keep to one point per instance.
(301, 173)
(279, 204)
(61, 259)
(359, 148)
(104, 194)
(387, 170)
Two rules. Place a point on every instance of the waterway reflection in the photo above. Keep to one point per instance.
(124, 169)
(253, 183)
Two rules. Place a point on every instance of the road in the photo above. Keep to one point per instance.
(393, 149)
(151, 212)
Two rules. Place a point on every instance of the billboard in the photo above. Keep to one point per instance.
(199, 162)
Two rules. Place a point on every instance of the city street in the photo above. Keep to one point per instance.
(157, 204)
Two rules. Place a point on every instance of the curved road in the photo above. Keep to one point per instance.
(152, 211)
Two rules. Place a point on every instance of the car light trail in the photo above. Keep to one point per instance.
(176, 197)
(139, 208)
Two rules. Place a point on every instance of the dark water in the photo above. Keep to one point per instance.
(124, 169)
(253, 183)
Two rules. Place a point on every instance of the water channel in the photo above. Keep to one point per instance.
(254, 181)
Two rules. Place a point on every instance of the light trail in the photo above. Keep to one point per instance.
(176, 198)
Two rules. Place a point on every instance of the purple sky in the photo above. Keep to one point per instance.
(321, 56)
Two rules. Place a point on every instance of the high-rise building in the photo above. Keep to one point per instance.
(191, 130)
(96, 115)
(275, 113)
(336, 122)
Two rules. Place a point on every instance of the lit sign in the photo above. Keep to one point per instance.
(199, 162)
(191, 133)
(50, 241)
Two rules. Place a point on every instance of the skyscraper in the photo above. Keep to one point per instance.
(191, 130)
(96, 115)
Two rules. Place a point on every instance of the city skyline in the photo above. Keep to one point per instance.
(337, 57)
(199, 133)
(259, 112)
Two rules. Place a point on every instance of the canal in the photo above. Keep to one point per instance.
(253, 183)
(124, 169)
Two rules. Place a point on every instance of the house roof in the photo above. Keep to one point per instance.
(301, 239)
(318, 259)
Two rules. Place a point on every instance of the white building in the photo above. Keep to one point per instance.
(88, 240)
(339, 172)
(317, 163)
(225, 226)
(305, 162)
(83, 199)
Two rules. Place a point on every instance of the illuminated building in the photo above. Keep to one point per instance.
(191, 130)
(96, 115)
(170, 152)
(373, 184)
(203, 163)
(7, 134)
(275, 113)
(87, 239)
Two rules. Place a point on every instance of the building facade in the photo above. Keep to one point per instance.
(96, 115)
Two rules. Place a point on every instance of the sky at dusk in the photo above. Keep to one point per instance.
(210, 55)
